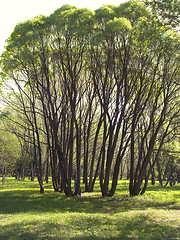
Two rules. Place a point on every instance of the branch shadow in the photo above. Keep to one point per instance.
(138, 227)
(32, 201)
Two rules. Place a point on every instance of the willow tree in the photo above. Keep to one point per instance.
(70, 31)
(22, 65)
(156, 99)
(115, 78)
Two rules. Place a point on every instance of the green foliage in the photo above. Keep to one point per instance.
(25, 33)
(22, 43)
(64, 8)
(104, 13)
(119, 25)
(170, 41)
(73, 20)
(133, 10)
(167, 11)
(9, 151)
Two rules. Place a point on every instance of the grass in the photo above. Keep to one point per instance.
(26, 214)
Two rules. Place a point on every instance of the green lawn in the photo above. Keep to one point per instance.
(26, 214)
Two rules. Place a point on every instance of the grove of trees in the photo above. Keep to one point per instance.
(96, 94)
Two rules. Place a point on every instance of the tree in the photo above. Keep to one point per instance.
(156, 103)
(22, 66)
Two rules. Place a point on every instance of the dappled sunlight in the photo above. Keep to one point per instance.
(129, 225)
(26, 201)
(27, 214)
(30, 200)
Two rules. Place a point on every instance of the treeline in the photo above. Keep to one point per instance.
(96, 94)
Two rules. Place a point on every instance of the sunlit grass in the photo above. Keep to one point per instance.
(26, 214)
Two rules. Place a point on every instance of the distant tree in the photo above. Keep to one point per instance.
(9, 150)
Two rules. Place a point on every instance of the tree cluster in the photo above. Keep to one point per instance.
(96, 94)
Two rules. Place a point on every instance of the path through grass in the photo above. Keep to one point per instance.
(25, 214)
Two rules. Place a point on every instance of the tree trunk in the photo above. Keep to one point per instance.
(159, 172)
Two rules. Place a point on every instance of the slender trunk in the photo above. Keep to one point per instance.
(122, 150)
(90, 185)
(78, 156)
(47, 166)
(132, 162)
(153, 177)
(104, 188)
(3, 174)
(159, 172)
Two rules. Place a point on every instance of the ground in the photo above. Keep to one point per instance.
(26, 214)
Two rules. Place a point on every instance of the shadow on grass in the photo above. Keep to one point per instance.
(162, 188)
(31, 201)
(53, 216)
(89, 227)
